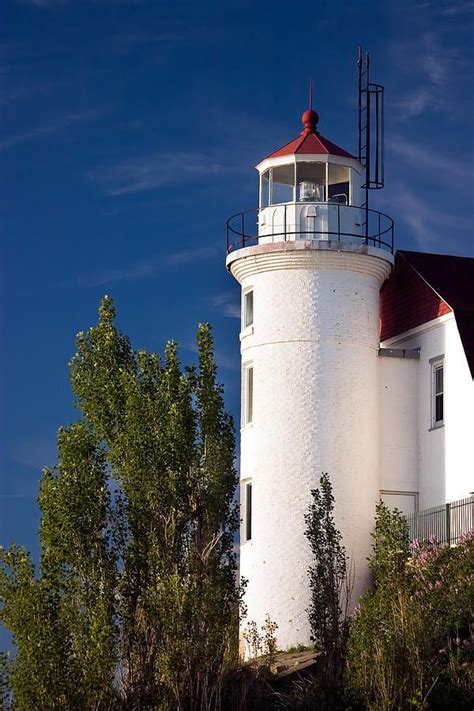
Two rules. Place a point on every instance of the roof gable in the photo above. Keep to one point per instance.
(310, 141)
(425, 286)
(310, 144)
(451, 277)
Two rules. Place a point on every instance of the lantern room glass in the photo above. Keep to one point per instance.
(339, 179)
(310, 181)
(307, 181)
(283, 184)
(265, 189)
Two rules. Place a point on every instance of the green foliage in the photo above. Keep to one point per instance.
(261, 644)
(136, 602)
(329, 582)
(5, 691)
(411, 640)
(391, 547)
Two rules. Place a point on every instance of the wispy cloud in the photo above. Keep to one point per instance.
(170, 36)
(44, 3)
(109, 276)
(232, 151)
(131, 39)
(414, 104)
(425, 158)
(25, 87)
(227, 304)
(148, 172)
(448, 8)
(436, 64)
(35, 452)
(48, 128)
(58, 3)
(428, 224)
(428, 55)
(147, 267)
(458, 8)
(223, 360)
(228, 362)
(433, 66)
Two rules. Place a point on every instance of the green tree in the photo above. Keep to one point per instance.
(5, 693)
(136, 599)
(330, 584)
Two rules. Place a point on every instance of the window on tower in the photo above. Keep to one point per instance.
(437, 392)
(248, 308)
(248, 512)
(248, 394)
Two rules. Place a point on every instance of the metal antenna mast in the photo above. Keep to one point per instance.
(371, 126)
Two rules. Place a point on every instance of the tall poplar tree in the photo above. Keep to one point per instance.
(135, 602)
(330, 584)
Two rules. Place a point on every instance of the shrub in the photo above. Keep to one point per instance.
(261, 643)
(410, 644)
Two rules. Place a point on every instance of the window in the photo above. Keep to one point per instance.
(248, 512)
(265, 189)
(248, 394)
(248, 308)
(311, 181)
(437, 392)
(338, 184)
(282, 184)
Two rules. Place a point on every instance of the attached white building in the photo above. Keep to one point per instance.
(386, 415)
(426, 381)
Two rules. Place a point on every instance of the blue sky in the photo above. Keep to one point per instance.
(129, 134)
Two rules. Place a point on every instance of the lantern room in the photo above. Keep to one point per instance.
(310, 169)
(309, 189)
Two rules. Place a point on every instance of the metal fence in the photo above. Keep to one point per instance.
(447, 522)
(343, 223)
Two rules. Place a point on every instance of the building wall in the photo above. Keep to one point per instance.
(398, 439)
(314, 351)
(446, 454)
(459, 418)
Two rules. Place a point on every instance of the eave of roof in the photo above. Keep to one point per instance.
(452, 278)
(311, 143)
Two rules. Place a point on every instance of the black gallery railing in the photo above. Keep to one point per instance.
(446, 522)
(310, 221)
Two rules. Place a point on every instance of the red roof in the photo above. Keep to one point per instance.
(422, 287)
(310, 141)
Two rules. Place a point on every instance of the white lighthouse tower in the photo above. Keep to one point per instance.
(310, 275)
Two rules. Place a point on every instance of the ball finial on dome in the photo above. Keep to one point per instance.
(310, 120)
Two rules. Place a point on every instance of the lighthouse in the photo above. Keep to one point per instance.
(310, 261)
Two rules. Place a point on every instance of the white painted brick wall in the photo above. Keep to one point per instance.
(314, 349)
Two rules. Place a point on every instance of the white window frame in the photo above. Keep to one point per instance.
(248, 394)
(247, 511)
(436, 364)
(247, 325)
